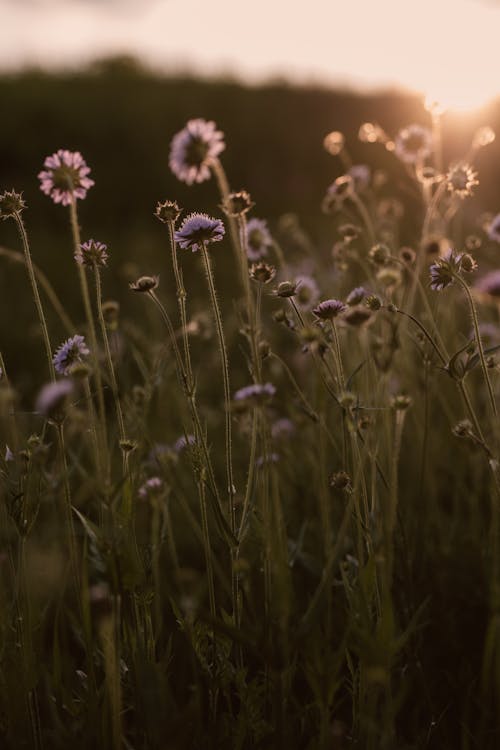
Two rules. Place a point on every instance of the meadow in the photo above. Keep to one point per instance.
(249, 440)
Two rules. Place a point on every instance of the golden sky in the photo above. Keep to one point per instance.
(444, 48)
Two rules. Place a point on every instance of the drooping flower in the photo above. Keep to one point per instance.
(307, 293)
(194, 148)
(413, 144)
(197, 230)
(51, 399)
(145, 284)
(329, 309)
(259, 239)
(91, 253)
(494, 229)
(72, 351)
(65, 177)
(443, 271)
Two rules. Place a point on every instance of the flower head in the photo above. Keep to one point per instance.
(413, 144)
(65, 177)
(461, 179)
(168, 211)
(329, 309)
(52, 397)
(307, 293)
(151, 487)
(443, 271)
(73, 350)
(11, 203)
(197, 230)
(259, 239)
(341, 189)
(262, 272)
(91, 253)
(237, 204)
(145, 284)
(360, 174)
(356, 296)
(193, 149)
(255, 394)
(185, 441)
(494, 229)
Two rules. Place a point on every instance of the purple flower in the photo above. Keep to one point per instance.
(413, 144)
(329, 309)
(443, 271)
(65, 177)
(197, 230)
(257, 393)
(489, 284)
(193, 149)
(494, 229)
(183, 442)
(356, 296)
(92, 253)
(73, 350)
(259, 239)
(360, 174)
(282, 428)
(307, 293)
(152, 486)
(52, 396)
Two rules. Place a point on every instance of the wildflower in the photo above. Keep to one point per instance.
(286, 289)
(271, 458)
(360, 175)
(11, 203)
(442, 272)
(237, 204)
(258, 238)
(413, 144)
(407, 255)
(461, 179)
(167, 212)
(282, 428)
(185, 441)
(52, 397)
(329, 309)
(379, 254)
(197, 230)
(334, 142)
(341, 189)
(65, 178)
(307, 293)
(73, 350)
(494, 229)
(262, 272)
(356, 296)
(151, 487)
(256, 393)
(145, 284)
(468, 263)
(489, 284)
(341, 480)
(389, 276)
(373, 302)
(91, 253)
(193, 150)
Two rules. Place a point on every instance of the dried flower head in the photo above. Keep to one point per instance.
(91, 253)
(194, 149)
(52, 398)
(329, 309)
(494, 229)
(334, 142)
(389, 276)
(145, 284)
(65, 177)
(464, 429)
(237, 204)
(341, 480)
(11, 203)
(461, 179)
(349, 232)
(286, 289)
(307, 293)
(413, 144)
(379, 254)
(262, 272)
(198, 230)
(70, 352)
(443, 271)
(258, 238)
(167, 212)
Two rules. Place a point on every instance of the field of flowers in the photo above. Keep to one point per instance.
(256, 505)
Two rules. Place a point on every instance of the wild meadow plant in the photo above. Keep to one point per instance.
(278, 527)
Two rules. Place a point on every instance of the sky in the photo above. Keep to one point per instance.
(445, 49)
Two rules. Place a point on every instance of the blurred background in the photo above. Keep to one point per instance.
(116, 79)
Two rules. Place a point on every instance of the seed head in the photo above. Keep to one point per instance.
(407, 255)
(237, 204)
(261, 272)
(379, 254)
(11, 203)
(167, 212)
(468, 263)
(341, 480)
(401, 402)
(286, 289)
(145, 284)
(373, 302)
(413, 144)
(461, 179)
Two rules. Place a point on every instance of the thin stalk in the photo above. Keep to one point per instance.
(208, 549)
(181, 298)
(36, 294)
(365, 216)
(224, 190)
(68, 510)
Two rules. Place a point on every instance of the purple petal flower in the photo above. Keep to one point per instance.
(257, 392)
(307, 293)
(52, 397)
(184, 442)
(92, 253)
(193, 150)
(443, 270)
(65, 177)
(197, 230)
(329, 309)
(152, 486)
(489, 284)
(73, 350)
(259, 239)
